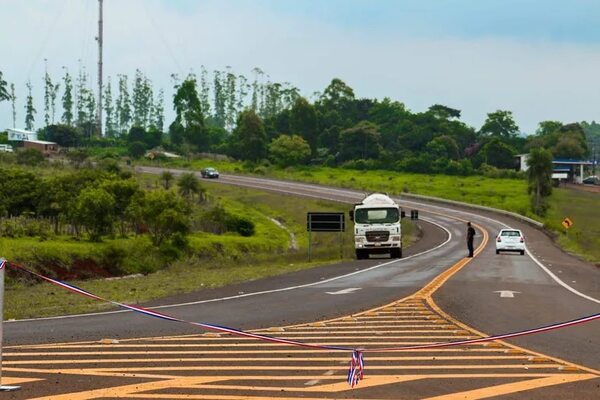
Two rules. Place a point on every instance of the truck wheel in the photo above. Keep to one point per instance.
(361, 254)
(396, 253)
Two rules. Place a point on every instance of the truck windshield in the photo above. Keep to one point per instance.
(376, 215)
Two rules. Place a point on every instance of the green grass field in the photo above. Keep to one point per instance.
(583, 239)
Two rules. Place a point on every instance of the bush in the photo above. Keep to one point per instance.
(30, 157)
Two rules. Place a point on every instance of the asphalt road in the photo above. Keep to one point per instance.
(561, 288)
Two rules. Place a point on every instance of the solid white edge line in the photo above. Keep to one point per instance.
(239, 296)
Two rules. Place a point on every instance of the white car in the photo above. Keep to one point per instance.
(510, 240)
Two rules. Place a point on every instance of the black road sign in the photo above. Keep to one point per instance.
(325, 222)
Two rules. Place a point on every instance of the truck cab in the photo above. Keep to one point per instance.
(377, 226)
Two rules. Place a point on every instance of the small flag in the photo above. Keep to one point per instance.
(357, 366)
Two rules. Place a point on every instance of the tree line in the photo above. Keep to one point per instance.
(105, 201)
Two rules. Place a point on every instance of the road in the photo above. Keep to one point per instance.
(417, 309)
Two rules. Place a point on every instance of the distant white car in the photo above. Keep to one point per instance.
(510, 240)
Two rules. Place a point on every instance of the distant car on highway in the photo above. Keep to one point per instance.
(593, 180)
(510, 240)
(209, 173)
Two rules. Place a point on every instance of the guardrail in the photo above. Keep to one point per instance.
(432, 199)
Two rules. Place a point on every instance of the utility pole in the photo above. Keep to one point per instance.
(99, 39)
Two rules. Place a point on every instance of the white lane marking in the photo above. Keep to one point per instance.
(449, 238)
(345, 291)
(529, 253)
(506, 293)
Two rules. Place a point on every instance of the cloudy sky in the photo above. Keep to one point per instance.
(539, 59)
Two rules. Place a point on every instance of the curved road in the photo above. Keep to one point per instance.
(547, 285)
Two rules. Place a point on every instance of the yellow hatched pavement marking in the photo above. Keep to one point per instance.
(415, 314)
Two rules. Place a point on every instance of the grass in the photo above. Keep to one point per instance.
(215, 260)
(583, 239)
(507, 194)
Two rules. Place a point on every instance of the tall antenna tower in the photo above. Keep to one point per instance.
(99, 39)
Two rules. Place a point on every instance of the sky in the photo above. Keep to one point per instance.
(539, 59)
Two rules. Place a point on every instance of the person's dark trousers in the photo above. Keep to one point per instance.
(470, 247)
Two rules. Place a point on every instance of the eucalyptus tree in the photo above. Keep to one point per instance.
(230, 99)
(13, 100)
(142, 99)
(219, 99)
(123, 106)
(80, 97)
(109, 109)
(67, 99)
(48, 88)
(158, 117)
(29, 109)
(243, 89)
(204, 91)
(53, 94)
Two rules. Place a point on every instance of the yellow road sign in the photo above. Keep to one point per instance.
(567, 223)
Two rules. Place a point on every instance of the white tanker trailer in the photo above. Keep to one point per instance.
(377, 226)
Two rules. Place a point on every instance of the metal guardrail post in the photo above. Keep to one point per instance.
(3, 388)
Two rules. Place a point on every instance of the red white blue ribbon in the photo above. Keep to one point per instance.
(356, 370)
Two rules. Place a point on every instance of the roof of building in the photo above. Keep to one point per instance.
(570, 161)
(21, 131)
(39, 141)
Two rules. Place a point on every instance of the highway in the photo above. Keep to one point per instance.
(433, 294)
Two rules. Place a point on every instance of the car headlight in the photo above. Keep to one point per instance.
(395, 238)
(359, 239)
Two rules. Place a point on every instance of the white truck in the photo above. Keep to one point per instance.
(6, 148)
(377, 226)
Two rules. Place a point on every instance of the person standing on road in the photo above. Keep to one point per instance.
(470, 237)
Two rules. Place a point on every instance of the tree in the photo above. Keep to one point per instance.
(13, 100)
(30, 157)
(94, 209)
(136, 149)
(444, 112)
(166, 177)
(109, 110)
(498, 154)
(360, 142)
(123, 106)
(3, 89)
(249, 139)
(500, 124)
(442, 147)
(189, 119)
(64, 135)
(303, 121)
(289, 150)
(123, 192)
(67, 100)
(571, 142)
(165, 215)
(539, 175)
(29, 109)
(189, 185)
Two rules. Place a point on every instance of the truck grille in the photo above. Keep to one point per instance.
(377, 236)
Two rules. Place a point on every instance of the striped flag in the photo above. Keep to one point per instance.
(357, 365)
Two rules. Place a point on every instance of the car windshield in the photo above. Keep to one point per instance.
(510, 233)
(376, 215)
